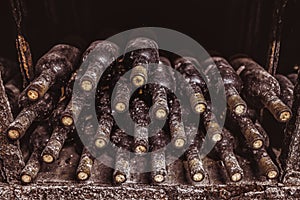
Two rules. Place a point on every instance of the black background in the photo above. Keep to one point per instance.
(226, 26)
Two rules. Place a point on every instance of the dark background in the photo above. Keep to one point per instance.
(226, 26)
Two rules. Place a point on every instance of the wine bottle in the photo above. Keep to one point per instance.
(85, 165)
(106, 120)
(140, 53)
(98, 57)
(55, 67)
(38, 111)
(177, 132)
(38, 140)
(55, 144)
(103, 132)
(160, 108)
(140, 116)
(251, 134)
(197, 100)
(122, 95)
(72, 112)
(123, 145)
(158, 142)
(192, 154)
(271, 125)
(77, 103)
(225, 150)
(260, 88)
(265, 164)
(232, 84)
(212, 127)
(163, 82)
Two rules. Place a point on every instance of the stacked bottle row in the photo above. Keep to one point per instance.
(140, 102)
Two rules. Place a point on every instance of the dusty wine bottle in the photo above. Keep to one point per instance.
(177, 132)
(225, 151)
(139, 113)
(78, 101)
(158, 143)
(123, 146)
(85, 165)
(269, 123)
(265, 163)
(54, 67)
(122, 163)
(163, 80)
(39, 110)
(55, 143)
(106, 120)
(103, 132)
(260, 88)
(186, 67)
(71, 114)
(98, 57)
(122, 96)
(212, 127)
(253, 137)
(192, 154)
(32, 167)
(160, 107)
(140, 53)
(232, 83)
(38, 140)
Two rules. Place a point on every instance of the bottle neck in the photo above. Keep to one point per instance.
(279, 110)
(41, 85)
